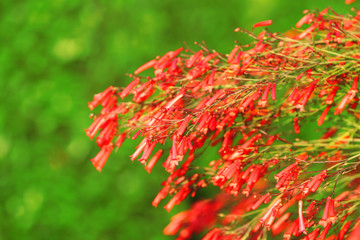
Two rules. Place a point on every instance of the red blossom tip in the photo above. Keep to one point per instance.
(263, 24)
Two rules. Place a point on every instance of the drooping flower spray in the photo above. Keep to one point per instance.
(283, 113)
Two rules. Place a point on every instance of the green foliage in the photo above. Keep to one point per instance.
(54, 56)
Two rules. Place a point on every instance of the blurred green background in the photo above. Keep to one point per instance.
(54, 56)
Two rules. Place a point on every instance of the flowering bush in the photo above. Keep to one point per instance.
(254, 105)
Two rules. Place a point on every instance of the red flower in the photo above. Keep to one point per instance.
(100, 159)
(263, 24)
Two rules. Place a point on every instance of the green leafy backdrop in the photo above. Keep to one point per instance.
(54, 56)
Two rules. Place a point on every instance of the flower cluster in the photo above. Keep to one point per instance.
(254, 105)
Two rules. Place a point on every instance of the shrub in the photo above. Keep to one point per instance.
(283, 113)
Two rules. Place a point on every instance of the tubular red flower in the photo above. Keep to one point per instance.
(309, 90)
(211, 78)
(307, 32)
(310, 207)
(355, 84)
(286, 170)
(279, 225)
(147, 153)
(263, 24)
(176, 222)
(129, 88)
(296, 126)
(270, 212)
(161, 195)
(313, 235)
(349, 1)
(175, 53)
(214, 234)
(120, 140)
(95, 126)
(190, 63)
(263, 100)
(259, 201)
(324, 232)
(145, 66)
(339, 108)
(308, 18)
(314, 183)
(273, 91)
(301, 218)
(249, 100)
(330, 98)
(98, 98)
(153, 161)
(325, 215)
(343, 230)
(232, 54)
(292, 95)
(139, 149)
(183, 125)
(220, 94)
(173, 101)
(100, 159)
(323, 115)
